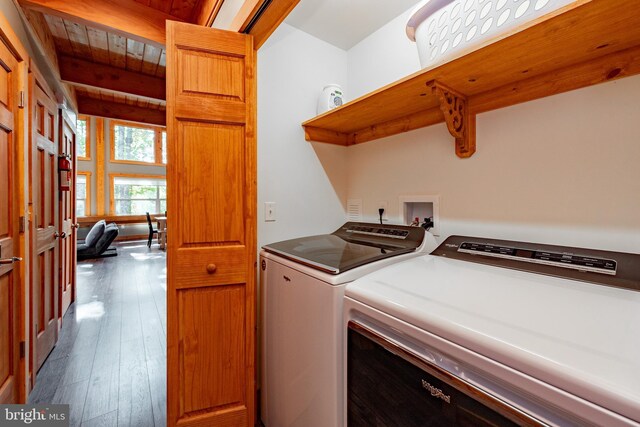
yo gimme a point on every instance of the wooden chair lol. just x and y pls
(152, 230)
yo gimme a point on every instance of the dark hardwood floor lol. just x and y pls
(109, 363)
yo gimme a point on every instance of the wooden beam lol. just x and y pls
(268, 21)
(124, 17)
(79, 72)
(115, 110)
(205, 12)
(100, 195)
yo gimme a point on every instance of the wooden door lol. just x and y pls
(67, 227)
(10, 323)
(211, 230)
(44, 254)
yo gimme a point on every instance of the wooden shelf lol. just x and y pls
(583, 44)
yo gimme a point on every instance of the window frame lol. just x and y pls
(87, 202)
(157, 142)
(112, 181)
(162, 152)
(88, 141)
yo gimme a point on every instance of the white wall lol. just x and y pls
(382, 58)
(562, 170)
(307, 181)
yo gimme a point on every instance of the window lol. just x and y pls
(83, 195)
(136, 195)
(83, 144)
(133, 143)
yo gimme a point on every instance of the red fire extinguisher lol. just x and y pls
(64, 170)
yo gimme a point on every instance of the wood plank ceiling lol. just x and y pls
(110, 66)
(110, 54)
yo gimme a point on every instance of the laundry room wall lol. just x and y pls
(306, 181)
(561, 170)
(382, 58)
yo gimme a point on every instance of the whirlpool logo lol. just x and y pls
(436, 392)
(34, 415)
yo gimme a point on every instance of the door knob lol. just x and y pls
(76, 226)
(211, 268)
(11, 260)
(61, 235)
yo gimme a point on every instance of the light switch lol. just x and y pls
(269, 211)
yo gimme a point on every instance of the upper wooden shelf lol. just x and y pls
(585, 43)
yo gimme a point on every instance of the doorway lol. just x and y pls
(109, 363)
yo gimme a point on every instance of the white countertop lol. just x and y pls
(580, 337)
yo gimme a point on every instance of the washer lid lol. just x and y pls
(580, 337)
(331, 253)
(352, 245)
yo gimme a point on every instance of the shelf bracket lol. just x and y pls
(460, 121)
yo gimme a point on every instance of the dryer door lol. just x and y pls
(388, 386)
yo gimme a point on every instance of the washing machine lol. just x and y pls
(302, 289)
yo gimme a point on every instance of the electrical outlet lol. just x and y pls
(269, 211)
(383, 204)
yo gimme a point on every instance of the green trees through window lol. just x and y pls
(81, 195)
(134, 144)
(138, 143)
(81, 138)
(164, 147)
(135, 196)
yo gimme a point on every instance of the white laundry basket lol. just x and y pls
(443, 28)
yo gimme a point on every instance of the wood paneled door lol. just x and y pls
(10, 323)
(67, 227)
(44, 186)
(211, 180)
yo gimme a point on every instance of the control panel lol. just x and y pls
(387, 236)
(382, 231)
(619, 269)
(556, 259)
